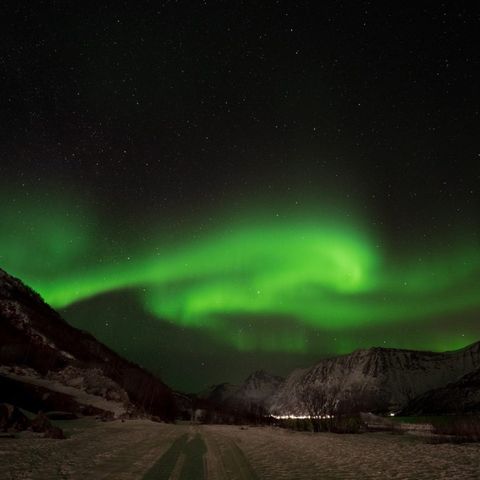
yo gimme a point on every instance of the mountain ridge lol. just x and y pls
(376, 379)
(379, 379)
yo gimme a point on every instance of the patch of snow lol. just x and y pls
(80, 396)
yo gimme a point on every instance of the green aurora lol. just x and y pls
(317, 271)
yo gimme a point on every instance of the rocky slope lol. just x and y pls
(33, 335)
(376, 379)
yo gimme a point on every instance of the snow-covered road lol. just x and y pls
(144, 450)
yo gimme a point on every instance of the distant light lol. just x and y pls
(300, 417)
(391, 414)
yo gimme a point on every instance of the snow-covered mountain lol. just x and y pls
(462, 396)
(375, 379)
(258, 389)
(255, 392)
(218, 394)
(37, 343)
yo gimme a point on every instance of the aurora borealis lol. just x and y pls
(211, 196)
(319, 273)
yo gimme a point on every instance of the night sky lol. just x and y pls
(211, 188)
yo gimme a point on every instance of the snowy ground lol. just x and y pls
(151, 451)
(29, 376)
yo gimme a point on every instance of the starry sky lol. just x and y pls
(211, 188)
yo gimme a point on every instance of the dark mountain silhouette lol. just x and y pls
(462, 396)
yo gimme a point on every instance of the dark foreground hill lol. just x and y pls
(34, 336)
